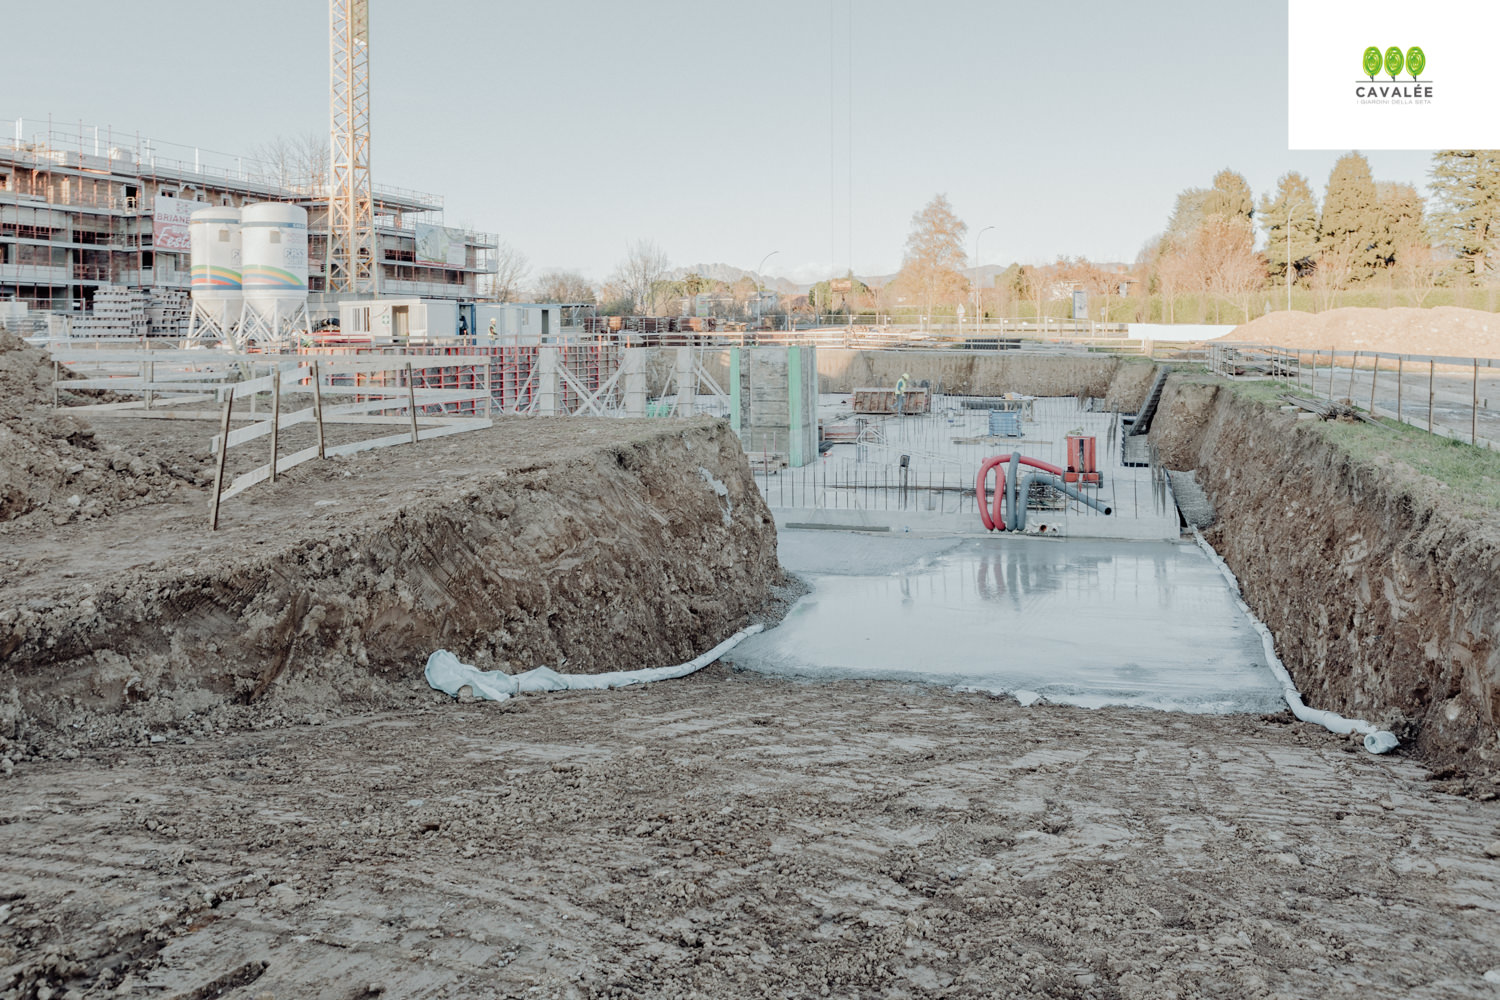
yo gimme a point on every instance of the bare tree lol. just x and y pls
(558, 285)
(1222, 250)
(511, 270)
(1417, 268)
(1336, 266)
(640, 275)
(1039, 283)
(294, 161)
(1174, 275)
(613, 299)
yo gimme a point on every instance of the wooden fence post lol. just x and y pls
(1353, 363)
(1430, 365)
(411, 399)
(275, 415)
(317, 389)
(213, 522)
(1374, 374)
(1474, 413)
(1400, 366)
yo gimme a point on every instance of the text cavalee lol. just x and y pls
(1393, 90)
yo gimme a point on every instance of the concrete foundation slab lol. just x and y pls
(1088, 622)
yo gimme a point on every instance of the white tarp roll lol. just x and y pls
(1376, 740)
(446, 674)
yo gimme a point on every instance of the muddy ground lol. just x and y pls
(732, 835)
(169, 827)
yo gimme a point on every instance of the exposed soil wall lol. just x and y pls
(1381, 601)
(590, 545)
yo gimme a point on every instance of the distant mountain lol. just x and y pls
(729, 274)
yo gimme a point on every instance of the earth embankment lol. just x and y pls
(1378, 587)
(586, 545)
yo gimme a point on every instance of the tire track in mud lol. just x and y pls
(731, 835)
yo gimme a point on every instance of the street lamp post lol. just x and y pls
(758, 269)
(977, 314)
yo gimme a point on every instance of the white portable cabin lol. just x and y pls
(399, 321)
(524, 323)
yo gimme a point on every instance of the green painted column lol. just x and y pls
(734, 389)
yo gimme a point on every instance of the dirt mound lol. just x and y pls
(1446, 330)
(52, 467)
(585, 545)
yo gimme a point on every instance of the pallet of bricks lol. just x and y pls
(117, 312)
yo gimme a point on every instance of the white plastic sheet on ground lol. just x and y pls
(445, 673)
(1376, 740)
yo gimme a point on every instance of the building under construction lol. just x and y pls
(84, 209)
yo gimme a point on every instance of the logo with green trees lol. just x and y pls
(1395, 59)
(1373, 62)
(1416, 61)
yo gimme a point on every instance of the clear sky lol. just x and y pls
(722, 131)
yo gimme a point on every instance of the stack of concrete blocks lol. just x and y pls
(773, 401)
(168, 312)
(118, 312)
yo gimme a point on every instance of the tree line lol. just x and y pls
(1223, 256)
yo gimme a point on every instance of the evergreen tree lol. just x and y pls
(1230, 196)
(1402, 227)
(1294, 200)
(1349, 230)
(1466, 208)
(1188, 214)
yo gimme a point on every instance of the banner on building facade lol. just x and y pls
(440, 245)
(169, 223)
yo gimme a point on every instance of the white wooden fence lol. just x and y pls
(377, 390)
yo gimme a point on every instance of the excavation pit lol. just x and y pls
(731, 834)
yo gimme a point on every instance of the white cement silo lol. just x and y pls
(274, 236)
(214, 236)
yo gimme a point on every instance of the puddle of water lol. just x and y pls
(1085, 622)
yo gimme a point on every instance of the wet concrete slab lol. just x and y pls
(1088, 622)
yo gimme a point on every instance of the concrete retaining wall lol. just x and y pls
(1124, 382)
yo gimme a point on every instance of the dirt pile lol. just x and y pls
(1381, 594)
(586, 545)
(1445, 331)
(53, 468)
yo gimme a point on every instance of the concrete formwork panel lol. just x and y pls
(774, 401)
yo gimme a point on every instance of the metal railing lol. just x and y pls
(1445, 395)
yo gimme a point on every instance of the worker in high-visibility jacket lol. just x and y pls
(901, 384)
